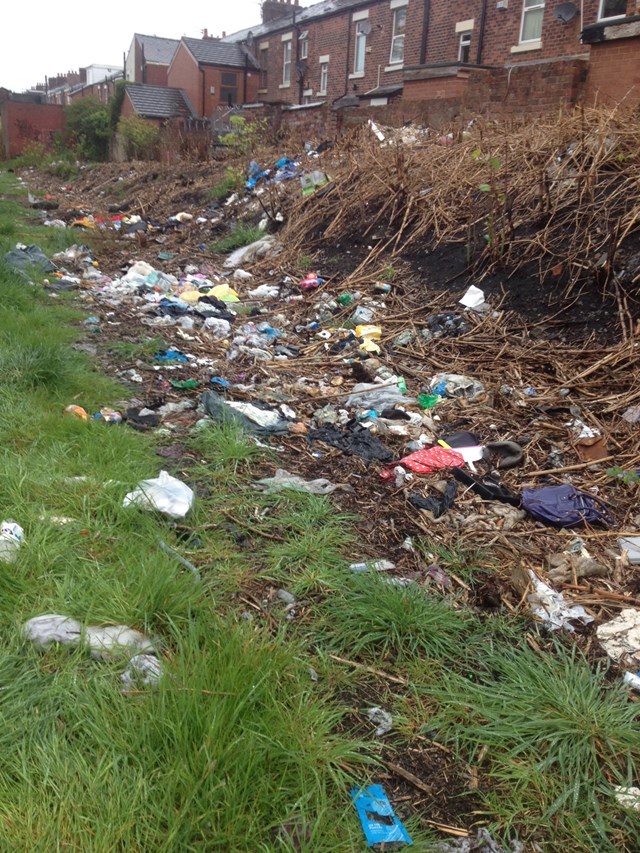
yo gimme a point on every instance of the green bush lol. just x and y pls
(88, 123)
(141, 136)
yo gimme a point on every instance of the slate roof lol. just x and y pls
(217, 52)
(310, 13)
(157, 50)
(159, 101)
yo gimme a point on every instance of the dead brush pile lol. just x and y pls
(560, 194)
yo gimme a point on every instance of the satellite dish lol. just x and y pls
(365, 27)
(301, 67)
(565, 12)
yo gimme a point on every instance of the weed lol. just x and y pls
(305, 262)
(241, 235)
(233, 181)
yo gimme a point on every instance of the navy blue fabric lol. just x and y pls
(564, 506)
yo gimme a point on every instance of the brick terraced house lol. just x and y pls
(352, 51)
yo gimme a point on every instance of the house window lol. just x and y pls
(304, 45)
(324, 78)
(532, 14)
(464, 53)
(229, 88)
(361, 46)
(286, 63)
(397, 39)
(264, 65)
(612, 9)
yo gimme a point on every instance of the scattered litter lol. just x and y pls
(379, 822)
(143, 671)
(245, 415)
(24, 257)
(436, 506)
(628, 797)
(631, 544)
(11, 538)
(372, 566)
(620, 638)
(433, 459)
(382, 719)
(552, 608)
(182, 560)
(377, 395)
(103, 643)
(565, 506)
(474, 300)
(356, 440)
(164, 493)
(284, 480)
(246, 255)
(457, 385)
(481, 843)
(76, 412)
(632, 680)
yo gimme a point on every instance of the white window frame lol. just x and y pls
(401, 10)
(324, 77)
(465, 41)
(536, 7)
(304, 46)
(286, 64)
(602, 17)
(361, 39)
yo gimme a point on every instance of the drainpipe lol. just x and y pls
(425, 31)
(244, 88)
(202, 78)
(483, 23)
(346, 72)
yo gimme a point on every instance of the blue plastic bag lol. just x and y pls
(379, 823)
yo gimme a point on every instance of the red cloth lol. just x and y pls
(431, 460)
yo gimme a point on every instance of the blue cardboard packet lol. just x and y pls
(379, 823)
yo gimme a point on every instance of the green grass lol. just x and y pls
(238, 740)
(240, 235)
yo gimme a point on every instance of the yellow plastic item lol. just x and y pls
(224, 293)
(189, 295)
(369, 334)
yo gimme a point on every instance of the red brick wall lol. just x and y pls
(443, 41)
(502, 32)
(156, 75)
(26, 123)
(334, 36)
(614, 73)
(185, 74)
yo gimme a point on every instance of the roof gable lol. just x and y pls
(158, 51)
(159, 101)
(216, 52)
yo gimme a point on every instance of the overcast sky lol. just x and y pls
(46, 38)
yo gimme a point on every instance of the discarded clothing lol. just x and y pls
(432, 459)
(356, 440)
(436, 506)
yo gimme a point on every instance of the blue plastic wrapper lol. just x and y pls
(379, 823)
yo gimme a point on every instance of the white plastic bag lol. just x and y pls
(164, 493)
(11, 538)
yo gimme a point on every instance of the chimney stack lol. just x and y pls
(274, 9)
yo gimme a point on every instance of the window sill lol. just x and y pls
(284, 86)
(262, 91)
(397, 67)
(357, 75)
(321, 94)
(611, 18)
(527, 45)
